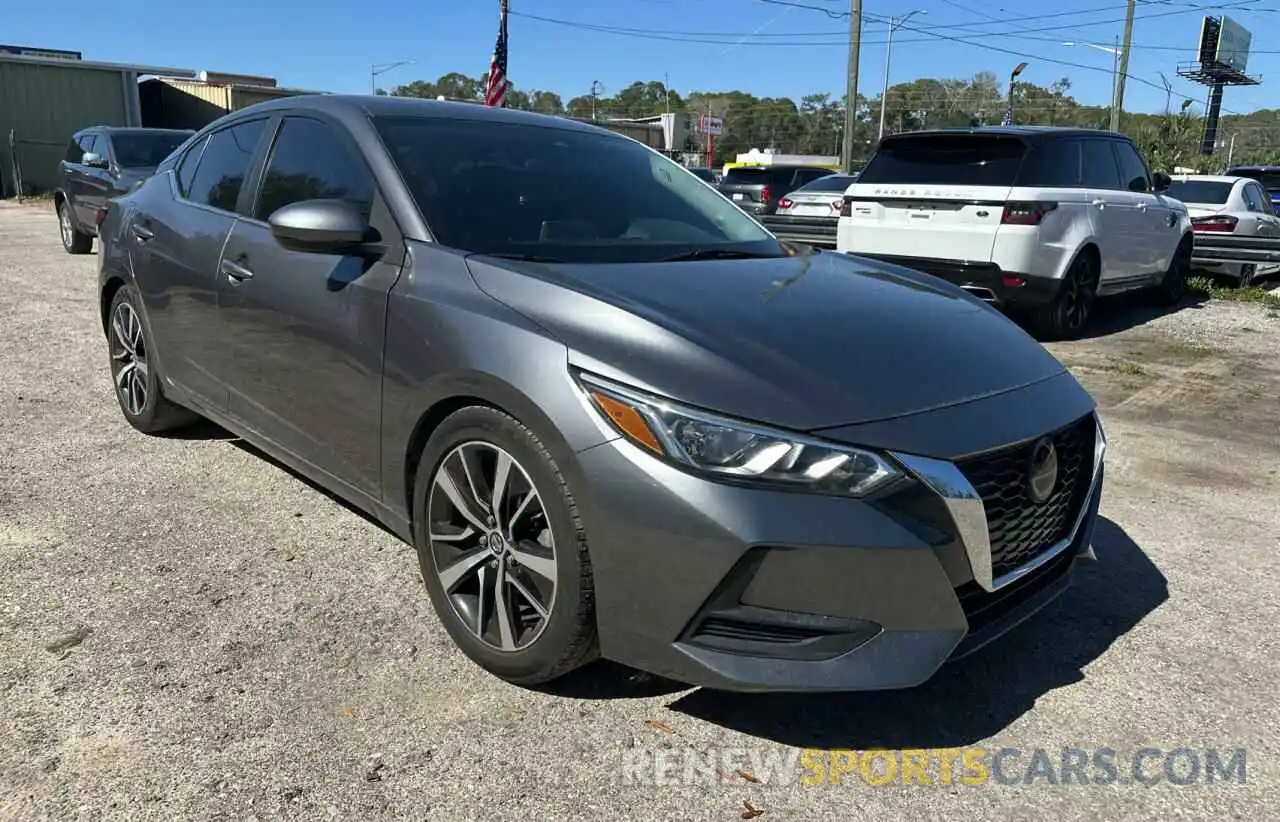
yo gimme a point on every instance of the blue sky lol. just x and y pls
(698, 44)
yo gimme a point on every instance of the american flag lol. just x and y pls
(495, 90)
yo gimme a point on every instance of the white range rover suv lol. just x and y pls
(1034, 219)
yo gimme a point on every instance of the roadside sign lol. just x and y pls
(711, 125)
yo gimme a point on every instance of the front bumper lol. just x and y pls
(984, 280)
(745, 589)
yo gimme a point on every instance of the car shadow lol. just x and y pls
(977, 696)
(1121, 312)
(312, 484)
(201, 430)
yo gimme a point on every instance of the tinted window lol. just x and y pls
(145, 149)
(512, 188)
(310, 162)
(748, 177)
(1260, 197)
(805, 176)
(224, 164)
(1270, 179)
(1098, 165)
(832, 182)
(1199, 191)
(74, 152)
(950, 159)
(88, 143)
(187, 167)
(703, 174)
(1052, 164)
(1133, 172)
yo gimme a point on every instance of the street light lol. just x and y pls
(379, 68)
(1115, 77)
(894, 24)
(1013, 76)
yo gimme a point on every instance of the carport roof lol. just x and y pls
(95, 64)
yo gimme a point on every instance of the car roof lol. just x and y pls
(1255, 168)
(1210, 178)
(363, 105)
(133, 130)
(1025, 132)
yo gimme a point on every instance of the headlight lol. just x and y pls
(736, 450)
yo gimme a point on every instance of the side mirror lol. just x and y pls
(94, 160)
(320, 226)
(1161, 181)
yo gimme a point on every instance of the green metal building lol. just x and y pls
(45, 99)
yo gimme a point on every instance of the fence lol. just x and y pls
(32, 166)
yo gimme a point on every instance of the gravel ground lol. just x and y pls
(189, 631)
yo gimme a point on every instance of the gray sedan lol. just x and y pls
(622, 421)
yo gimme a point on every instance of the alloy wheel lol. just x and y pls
(129, 358)
(64, 226)
(1078, 296)
(492, 546)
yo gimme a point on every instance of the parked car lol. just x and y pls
(1269, 176)
(102, 162)
(810, 213)
(617, 420)
(1039, 220)
(756, 189)
(1226, 205)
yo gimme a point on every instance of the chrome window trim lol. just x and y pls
(969, 515)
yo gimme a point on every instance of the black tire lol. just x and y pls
(73, 239)
(1247, 272)
(1068, 313)
(1173, 286)
(139, 391)
(566, 638)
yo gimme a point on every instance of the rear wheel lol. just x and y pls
(73, 240)
(1173, 286)
(133, 373)
(1247, 272)
(502, 550)
(1067, 314)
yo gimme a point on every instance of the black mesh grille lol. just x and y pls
(1020, 529)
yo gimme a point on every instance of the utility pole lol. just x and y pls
(1124, 66)
(851, 90)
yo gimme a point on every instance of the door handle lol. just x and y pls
(1100, 203)
(1142, 206)
(236, 273)
(141, 232)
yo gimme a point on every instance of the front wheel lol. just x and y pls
(1066, 315)
(502, 550)
(133, 373)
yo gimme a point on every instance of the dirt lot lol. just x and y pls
(187, 630)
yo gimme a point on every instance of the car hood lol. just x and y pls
(802, 342)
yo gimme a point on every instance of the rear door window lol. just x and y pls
(220, 175)
(1052, 164)
(950, 159)
(1098, 165)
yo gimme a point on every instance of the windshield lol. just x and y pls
(560, 193)
(947, 159)
(1200, 191)
(1270, 179)
(145, 150)
(823, 185)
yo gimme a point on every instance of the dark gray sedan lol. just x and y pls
(616, 420)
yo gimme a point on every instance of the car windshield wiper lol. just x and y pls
(526, 258)
(716, 254)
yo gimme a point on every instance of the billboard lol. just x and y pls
(708, 124)
(1233, 45)
(48, 54)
